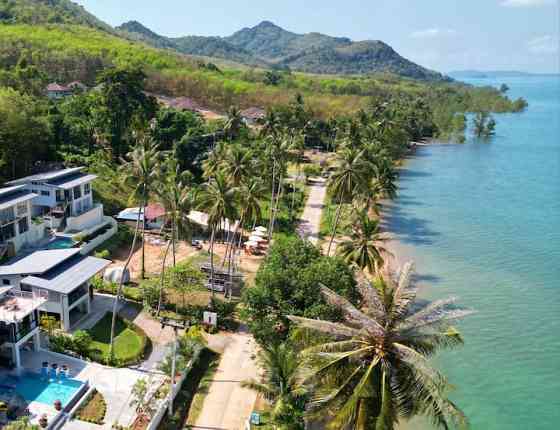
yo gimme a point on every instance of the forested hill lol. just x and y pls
(268, 45)
(48, 12)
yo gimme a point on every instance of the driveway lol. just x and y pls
(227, 405)
(310, 224)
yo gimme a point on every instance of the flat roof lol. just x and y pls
(46, 176)
(69, 183)
(13, 197)
(37, 262)
(69, 275)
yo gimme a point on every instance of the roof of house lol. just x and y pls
(11, 196)
(253, 113)
(154, 211)
(57, 87)
(130, 214)
(46, 176)
(67, 183)
(184, 103)
(69, 275)
(37, 262)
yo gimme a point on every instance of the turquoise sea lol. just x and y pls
(482, 222)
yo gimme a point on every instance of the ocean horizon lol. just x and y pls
(481, 220)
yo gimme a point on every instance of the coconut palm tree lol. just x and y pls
(234, 123)
(140, 172)
(279, 385)
(351, 174)
(238, 164)
(217, 199)
(375, 369)
(385, 177)
(364, 248)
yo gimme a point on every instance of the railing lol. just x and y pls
(24, 330)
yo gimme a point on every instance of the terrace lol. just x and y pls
(16, 305)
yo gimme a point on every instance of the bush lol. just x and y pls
(311, 170)
(81, 342)
(60, 343)
(104, 253)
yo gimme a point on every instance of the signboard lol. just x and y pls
(210, 318)
(256, 418)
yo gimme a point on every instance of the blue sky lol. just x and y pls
(441, 34)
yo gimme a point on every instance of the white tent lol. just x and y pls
(258, 233)
(261, 228)
(256, 239)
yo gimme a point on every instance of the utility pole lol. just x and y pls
(176, 325)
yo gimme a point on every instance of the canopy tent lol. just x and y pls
(261, 228)
(258, 233)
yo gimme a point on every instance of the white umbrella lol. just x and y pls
(256, 239)
(261, 228)
(258, 233)
(251, 244)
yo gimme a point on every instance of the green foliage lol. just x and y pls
(312, 170)
(483, 124)
(93, 408)
(288, 283)
(22, 423)
(81, 342)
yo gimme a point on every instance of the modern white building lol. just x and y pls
(60, 276)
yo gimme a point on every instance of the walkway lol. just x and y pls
(227, 405)
(310, 224)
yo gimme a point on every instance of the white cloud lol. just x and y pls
(527, 3)
(546, 44)
(432, 33)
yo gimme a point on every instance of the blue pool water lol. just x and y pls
(482, 222)
(61, 243)
(35, 389)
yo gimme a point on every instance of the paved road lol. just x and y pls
(310, 224)
(227, 405)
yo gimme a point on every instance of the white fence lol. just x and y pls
(90, 246)
(162, 408)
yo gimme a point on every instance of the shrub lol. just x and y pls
(311, 170)
(104, 253)
(81, 342)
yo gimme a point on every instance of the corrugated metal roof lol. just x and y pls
(46, 176)
(38, 262)
(9, 190)
(69, 275)
(8, 200)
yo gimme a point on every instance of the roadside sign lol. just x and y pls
(210, 318)
(256, 418)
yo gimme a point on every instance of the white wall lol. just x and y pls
(87, 220)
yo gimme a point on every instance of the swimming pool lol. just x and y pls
(33, 388)
(61, 243)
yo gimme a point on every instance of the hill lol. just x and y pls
(268, 45)
(36, 12)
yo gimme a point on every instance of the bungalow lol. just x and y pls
(154, 219)
(56, 91)
(63, 199)
(60, 277)
(253, 115)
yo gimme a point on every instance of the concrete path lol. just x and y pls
(227, 405)
(310, 224)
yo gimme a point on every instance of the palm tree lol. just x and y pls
(238, 164)
(351, 174)
(363, 249)
(234, 123)
(279, 385)
(141, 173)
(385, 177)
(217, 199)
(374, 370)
(278, 150)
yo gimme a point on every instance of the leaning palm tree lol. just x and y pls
(141, 172)
(279, 385)
(364, 248)
(217, 199)
(374, 371)
(351, 174)
(385, 177)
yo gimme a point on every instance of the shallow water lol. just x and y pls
(482, 222)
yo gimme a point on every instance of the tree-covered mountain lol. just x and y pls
(270, 45)
(36, 12)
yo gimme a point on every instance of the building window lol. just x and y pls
(21, 209)
(87, 188)
(6, 282)
(26, 288)
(23, 225)
(45, 193)
(77, 192)
(7, 232)
(35, 183)
(59, 196)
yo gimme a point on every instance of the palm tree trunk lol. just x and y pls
(119, 289)
(272, 196)
(173, 238)
(143, 267)
(212, 261)
(275, 210)
(160, 299)
(336, 221)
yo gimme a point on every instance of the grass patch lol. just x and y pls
(192, 393)
(94, 408)
(130, 341)
(328, 216)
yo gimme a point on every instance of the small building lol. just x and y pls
(253, 115)
(60, 277)
(154, 219)
(56, 91)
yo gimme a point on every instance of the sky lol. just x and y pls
(444, 35)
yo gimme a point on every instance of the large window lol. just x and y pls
(23, 225)
(59, 196)
(45, 193)
(21, 209)
(87, 189)
(77, 294)
(77, 192)
(7, 215)
(7, 232)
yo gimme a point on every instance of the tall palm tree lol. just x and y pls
(375, 369)
(217, 199)
(238, 164)
(140, 171)
(278, 150)
(234, 123)
(279, 385)
(364, 247)
(352, 171)
(385, 177)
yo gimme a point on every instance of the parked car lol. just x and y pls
(197, 244)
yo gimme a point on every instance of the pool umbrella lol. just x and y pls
(261, 228)
(258, 233)
(256, 239)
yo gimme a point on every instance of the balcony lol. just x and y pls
(16, 305)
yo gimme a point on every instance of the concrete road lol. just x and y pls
(227, 405)
(310, 224)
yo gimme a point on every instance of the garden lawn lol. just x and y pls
(129, 344)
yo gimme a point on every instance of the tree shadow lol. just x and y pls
(409, 230)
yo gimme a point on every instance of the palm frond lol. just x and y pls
(327, 327)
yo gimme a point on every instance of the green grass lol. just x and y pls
(129, 343)
(328, 217)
